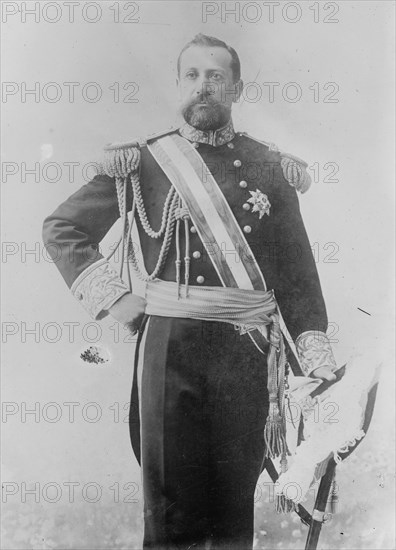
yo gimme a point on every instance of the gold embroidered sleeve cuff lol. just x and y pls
(98, 287)
(314, 351)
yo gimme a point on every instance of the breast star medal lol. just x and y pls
(260, 203)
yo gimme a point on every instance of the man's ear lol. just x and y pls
(238, 90)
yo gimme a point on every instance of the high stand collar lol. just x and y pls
(218, 137)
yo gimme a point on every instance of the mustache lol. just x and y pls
(203, 99)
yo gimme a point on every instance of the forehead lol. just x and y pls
(203, 57)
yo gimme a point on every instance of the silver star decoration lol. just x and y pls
(260, 202)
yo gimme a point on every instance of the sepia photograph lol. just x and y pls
(198, 275)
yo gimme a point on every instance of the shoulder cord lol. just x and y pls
(167, 226)
(173, 213)
(170, 220)
(137, 193)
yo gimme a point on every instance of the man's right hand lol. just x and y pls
(129, 311)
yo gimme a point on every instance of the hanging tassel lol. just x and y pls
(275, 427)
(274, 437)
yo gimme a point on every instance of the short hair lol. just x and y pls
(212, 42)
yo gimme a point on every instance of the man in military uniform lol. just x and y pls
(232, 290)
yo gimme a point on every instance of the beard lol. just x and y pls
(212, 116)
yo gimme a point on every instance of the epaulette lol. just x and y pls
(122, 159)
(294, 168)
(295, 172)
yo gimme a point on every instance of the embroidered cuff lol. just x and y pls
(98, 287)
(314, 350)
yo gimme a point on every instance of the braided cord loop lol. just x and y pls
(171, 205)
(142, 210)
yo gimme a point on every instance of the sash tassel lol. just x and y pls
(275, 427)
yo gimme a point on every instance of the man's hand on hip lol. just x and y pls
(129, 311)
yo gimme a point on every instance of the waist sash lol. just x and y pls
(246, 309)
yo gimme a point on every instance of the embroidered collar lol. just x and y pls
(212, 137)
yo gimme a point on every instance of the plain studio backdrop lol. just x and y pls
(319, 84)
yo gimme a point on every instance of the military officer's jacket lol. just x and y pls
(239, 164)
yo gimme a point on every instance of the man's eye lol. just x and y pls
(190, 75)
(216, 76)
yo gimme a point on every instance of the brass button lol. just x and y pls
(247, 229)
(193, 229)
(237, 163)
(196, 254)
(246, 206)
(230, 145)
(200, 279)
(243, 184)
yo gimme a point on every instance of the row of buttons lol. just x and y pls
(246, 206)
(246, 229)
(196, 254)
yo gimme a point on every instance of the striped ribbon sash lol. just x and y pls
(210, 212)
(233, 261)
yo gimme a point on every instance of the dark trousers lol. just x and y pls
(199, 433)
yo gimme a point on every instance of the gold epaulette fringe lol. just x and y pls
(121, 159)
(294, 168)
(295, 172)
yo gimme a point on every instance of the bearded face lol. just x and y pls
(206, 87)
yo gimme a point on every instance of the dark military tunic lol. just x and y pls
(203, 395)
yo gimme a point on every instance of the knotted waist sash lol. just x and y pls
(247, 310)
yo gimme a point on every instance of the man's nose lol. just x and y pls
(204, 87)
(200, 85)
